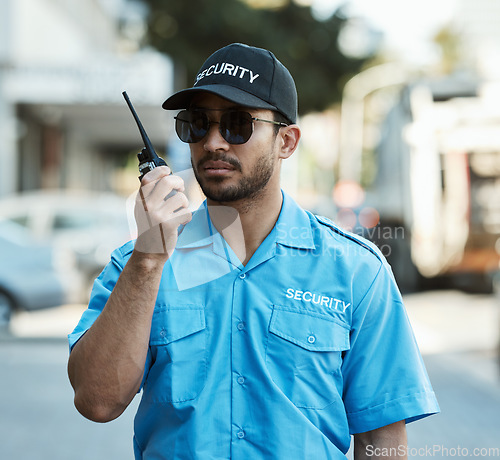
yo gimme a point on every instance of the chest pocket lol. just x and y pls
(178, 343)
(304, 355)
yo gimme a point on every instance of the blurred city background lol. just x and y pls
(399, 104)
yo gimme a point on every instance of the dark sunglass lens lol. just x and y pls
(236, 127)
(191, 126)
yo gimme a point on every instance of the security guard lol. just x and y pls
(254, 329)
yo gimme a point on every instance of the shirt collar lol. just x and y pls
(293, 228)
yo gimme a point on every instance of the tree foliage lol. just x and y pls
(189, 31)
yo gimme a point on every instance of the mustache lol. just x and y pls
(232, 161)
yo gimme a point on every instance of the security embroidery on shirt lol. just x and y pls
(318, 299)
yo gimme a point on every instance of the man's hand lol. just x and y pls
(160, 208)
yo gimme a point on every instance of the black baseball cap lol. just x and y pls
(248, 76)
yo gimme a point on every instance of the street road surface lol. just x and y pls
(37, 418)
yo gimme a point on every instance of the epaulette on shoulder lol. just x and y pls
(127, 248)
(350, 236)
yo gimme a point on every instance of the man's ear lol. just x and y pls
(289, 137)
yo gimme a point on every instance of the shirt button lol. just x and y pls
(240, 434)
(241, 380)
(163, 333)
(311, 339)
(243, 276)
(240, 326)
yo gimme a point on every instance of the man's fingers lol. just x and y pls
(156, 191)
(179, 217)
(155, 174)
(175, 202)
(159, 212)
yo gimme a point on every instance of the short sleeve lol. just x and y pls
(385, 379)
(101, 290)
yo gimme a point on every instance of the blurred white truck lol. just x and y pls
(437, 185)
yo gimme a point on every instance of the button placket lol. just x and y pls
(239, 357)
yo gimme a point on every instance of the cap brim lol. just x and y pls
(182, 99)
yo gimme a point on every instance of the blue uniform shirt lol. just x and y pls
(282, 358)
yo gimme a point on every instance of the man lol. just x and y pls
(254, 329)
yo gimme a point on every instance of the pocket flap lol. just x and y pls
(311, 331)
(174, 323)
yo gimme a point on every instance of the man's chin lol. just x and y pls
(221, 194)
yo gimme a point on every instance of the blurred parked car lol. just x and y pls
(90, 224)
(32, 276)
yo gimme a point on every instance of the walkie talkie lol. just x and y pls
(148, 158)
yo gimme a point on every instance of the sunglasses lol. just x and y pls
(235, 126)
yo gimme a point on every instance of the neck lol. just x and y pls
(245, 224)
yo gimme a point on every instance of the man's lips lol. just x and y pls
(218, 168)
(218, 165)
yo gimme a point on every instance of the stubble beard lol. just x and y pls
(248, 188)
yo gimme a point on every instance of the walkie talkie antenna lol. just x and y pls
(145, 138)
(148, 158)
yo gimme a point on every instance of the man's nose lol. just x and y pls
(214, 141)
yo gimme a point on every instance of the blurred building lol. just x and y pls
(478, 23)
(63, 67)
